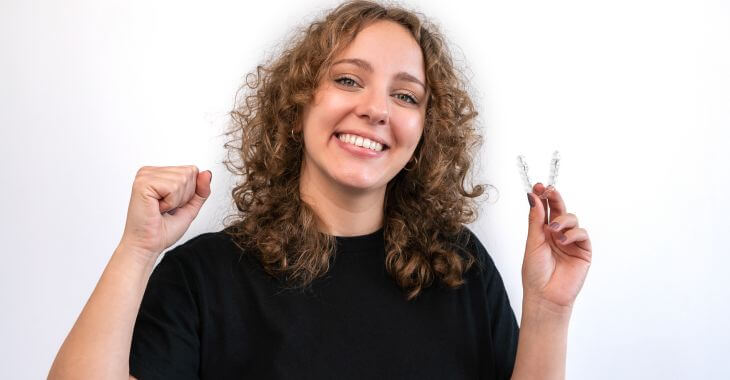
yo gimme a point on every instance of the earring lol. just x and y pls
(291, 133)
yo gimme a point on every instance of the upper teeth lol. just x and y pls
(361, 141)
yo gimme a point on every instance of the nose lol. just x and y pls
(374, 108)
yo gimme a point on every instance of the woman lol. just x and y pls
(349, 257)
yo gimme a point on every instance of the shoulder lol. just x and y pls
(208, 240)
(204, 248)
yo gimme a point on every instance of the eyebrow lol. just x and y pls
(365, 65)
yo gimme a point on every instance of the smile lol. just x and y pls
(358, 151)
(360, 142)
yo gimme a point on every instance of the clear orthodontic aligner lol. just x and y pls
(554, 166)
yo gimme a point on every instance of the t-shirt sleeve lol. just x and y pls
(165, 341)
(504, 327)
(505, 331)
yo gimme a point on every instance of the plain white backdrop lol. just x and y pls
(634, 93)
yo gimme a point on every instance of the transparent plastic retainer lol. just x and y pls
(554, 166)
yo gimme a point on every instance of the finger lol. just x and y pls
(185, 176)
(579, 236)
(191, 183)
(170, 172)
(555, 200)
(564, 221)
(171, 194)
(202, 192)
(165, 192)
(180, 186)
(535, 235)
(539, 189)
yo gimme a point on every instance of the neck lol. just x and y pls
(341, 210)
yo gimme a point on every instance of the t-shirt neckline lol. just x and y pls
(371, 241)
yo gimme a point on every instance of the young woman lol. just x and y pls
(348, 257)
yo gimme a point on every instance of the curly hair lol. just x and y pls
(426, 203)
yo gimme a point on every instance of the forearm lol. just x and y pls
(98, 345)
(542, 345)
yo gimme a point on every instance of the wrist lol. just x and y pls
(536, 307)
(542, 346)
(135, 256)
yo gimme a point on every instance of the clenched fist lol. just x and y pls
(164, 202)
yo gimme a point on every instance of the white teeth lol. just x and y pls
(361, 142)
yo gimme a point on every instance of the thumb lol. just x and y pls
(536, 219)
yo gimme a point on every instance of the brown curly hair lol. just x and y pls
(426, 203)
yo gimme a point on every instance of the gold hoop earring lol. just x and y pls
(291, 133)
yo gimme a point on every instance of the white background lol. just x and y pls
(635, 95)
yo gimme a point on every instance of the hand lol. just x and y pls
(553, 271)
(164, 202)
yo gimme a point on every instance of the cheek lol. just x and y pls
(327, 112)
(409, 130)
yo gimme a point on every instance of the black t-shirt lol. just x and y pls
(211, 312)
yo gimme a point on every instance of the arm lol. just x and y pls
(541, 349)
(163, 204)
(557, 258)
(99, 343)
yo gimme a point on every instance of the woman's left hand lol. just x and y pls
(556, 260)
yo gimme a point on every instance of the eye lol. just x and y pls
(346, 81)
(408, 98)
(350, 82)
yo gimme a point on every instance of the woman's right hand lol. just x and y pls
(164, 202)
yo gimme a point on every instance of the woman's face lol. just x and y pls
(374, 93)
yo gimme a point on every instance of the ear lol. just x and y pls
(297, 125)
(302, 112)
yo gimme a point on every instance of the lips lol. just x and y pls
(364, 135)
(359, 141)
(356, 150)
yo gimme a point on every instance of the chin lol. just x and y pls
(359, 182)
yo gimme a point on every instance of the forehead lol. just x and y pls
(388, 47)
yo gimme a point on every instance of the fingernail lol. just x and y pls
(554, 225)
(529, 199)
(562, 237)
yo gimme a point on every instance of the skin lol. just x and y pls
(554, 269)
(347, 192)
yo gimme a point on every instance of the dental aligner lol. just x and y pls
(522, 164)
(554, 166)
